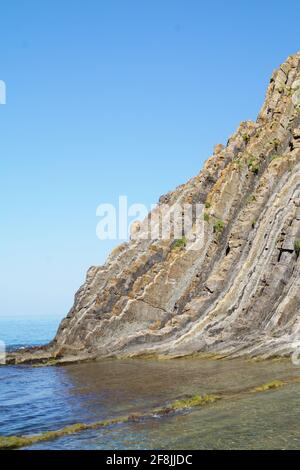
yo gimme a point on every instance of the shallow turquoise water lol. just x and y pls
(40, 399)
(268, 422)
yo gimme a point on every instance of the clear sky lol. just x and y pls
(109, 98)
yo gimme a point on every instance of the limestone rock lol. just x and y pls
(239, 293)
(218, 149)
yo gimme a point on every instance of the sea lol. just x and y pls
(34, 400)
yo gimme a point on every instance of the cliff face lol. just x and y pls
(239, 293)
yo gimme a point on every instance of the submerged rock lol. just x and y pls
(239, 293)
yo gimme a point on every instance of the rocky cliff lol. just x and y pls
(239, 293)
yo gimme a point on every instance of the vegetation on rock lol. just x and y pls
(196, 400)
(253, 165)
(269, 386)
(180, 243)
(219, 226)
(297, 247)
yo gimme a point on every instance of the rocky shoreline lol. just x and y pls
(236, 296)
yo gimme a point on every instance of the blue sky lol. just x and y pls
(114, 97)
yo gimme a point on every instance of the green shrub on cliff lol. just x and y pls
(246, 138)
(180, 243)
(219, 226)
(253, 165)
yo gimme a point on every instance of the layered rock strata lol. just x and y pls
(238, 294)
